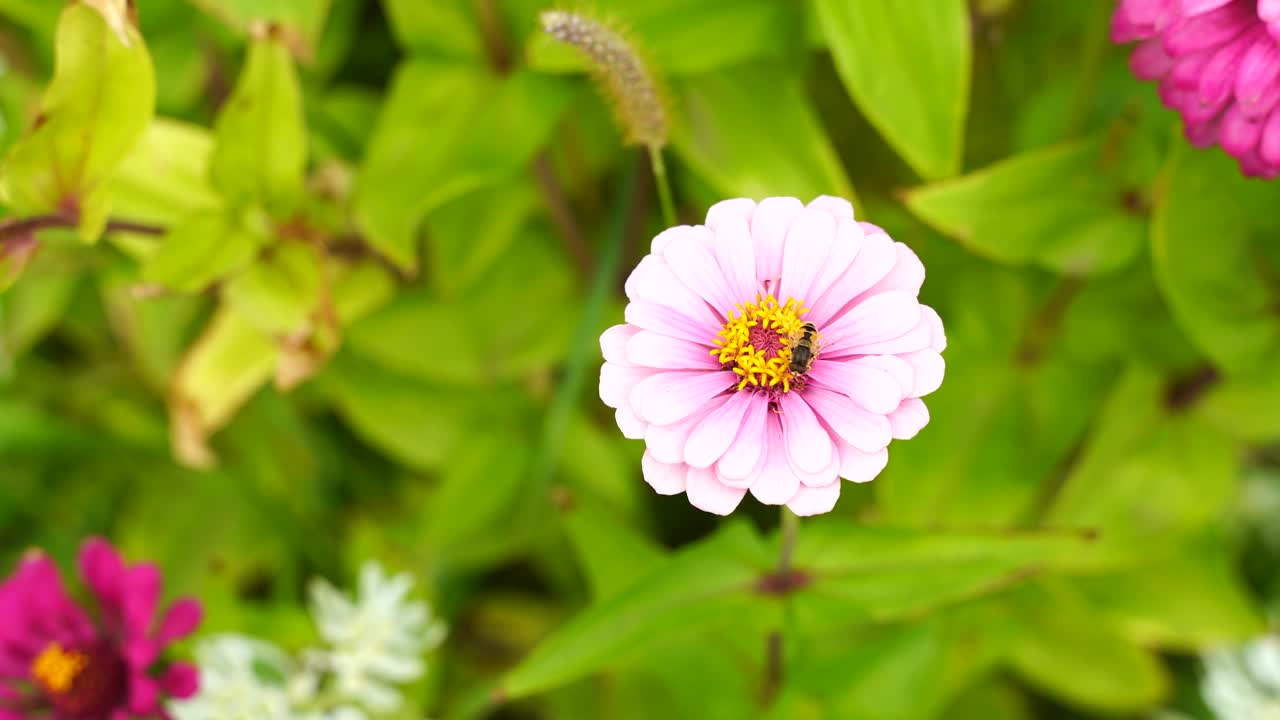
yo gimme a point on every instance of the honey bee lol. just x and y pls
(804, 349)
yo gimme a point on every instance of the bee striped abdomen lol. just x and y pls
(804, 349)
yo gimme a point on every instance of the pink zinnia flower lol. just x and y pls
(1218, 64)
(708, 372)
(59, 661)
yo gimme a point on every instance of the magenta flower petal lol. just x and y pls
(183, 618)
(773, 350)
(1217, 63)
(56, 662)
(181, 680)
(1269, 146)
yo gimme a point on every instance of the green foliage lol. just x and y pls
(907, 66)
(260, 151)
(97, 105)
(1045, 207)
(352, 277)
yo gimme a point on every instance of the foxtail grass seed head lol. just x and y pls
(627, 80)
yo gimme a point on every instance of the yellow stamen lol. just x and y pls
(56, 669)
(766, 366)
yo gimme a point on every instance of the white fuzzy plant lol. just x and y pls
(371, 644)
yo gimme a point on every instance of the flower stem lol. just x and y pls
(790, 526)
(664, 186)
(773, 647)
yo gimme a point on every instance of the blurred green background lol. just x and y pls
(370, 332)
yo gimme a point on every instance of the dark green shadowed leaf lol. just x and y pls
(613, 555)
(907, 66)
(1208, 227)
(441, 28)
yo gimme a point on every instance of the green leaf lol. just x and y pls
(880, 574)
(907, 66)
(724, 137)
(682, 38)
(225, 366)
(602, 464)
(280, 293)
(1188, 597)
(300, 21)
(613, 554)
(1220, 296)
(35, 306)
(1245, 406)
(100, 101)
(361, 288)
(530, 288)
(1145, 472)
(443, 28)
(480, 490)
(878, 677)
(704, 586)
(1065, 647)
(261, 137)
(418, 424)
(165, 177)
(217, 556)
(1054, 207)
(200, 249)
(990, 701)
(467, 236)
(484, 130)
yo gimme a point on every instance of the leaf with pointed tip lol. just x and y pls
(721, 133)
(1219, 294)
(1054, 207)
(201, 249)
(907, 66)
(260, 151)
(98, 105)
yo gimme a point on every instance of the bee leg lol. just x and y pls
(774, 406)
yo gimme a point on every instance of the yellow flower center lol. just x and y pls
(756, 341)
(56, 669)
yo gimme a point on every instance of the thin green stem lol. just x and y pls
(664, 185)
(787, 545)
(774, 650)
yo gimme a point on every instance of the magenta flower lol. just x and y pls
(1218, 64)
(775, 349)
(59, 661)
